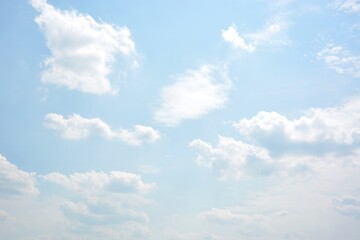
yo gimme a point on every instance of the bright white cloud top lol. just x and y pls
(236, 126)
(82, 49)
(77, 127)
(194, 94)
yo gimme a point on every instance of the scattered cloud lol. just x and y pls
(100, 213)
(226, 216)
(90, 182)
(234, 159)
(77, 127)
(194, 94)
(232, 36)
(82, 49)
(352, 6)
(272, 34)
(348, 205)
(14, 181)
(339, 125)
(340, 60)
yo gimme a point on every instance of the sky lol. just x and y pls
(180, 120)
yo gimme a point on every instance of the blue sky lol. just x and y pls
(180, 120)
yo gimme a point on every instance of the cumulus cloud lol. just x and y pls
(77, 127)
(352, 6)
(234, 159)
(340, 60)
(194, 94)
(82, 49)
(348, 205)
(90, 182)
(14, 181)
(338, 125)
(272, 34)
(232, 36)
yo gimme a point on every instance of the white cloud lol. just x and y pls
(233, 36)
(82, 49)
(339, 59)
(218, 215)
(14, 181)
(348, 205)
(174, 235)
(193, 95)
(339, 125)
(349, 6)
(235, 159)
(272, 34)
(89, 182)
(77, 127)
(101, 214)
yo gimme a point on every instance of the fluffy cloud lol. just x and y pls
(14, 181)
(272, 34)
(340, 60)
(348, 205)
(339, 125)
(77, 127)
(82, 49)
(232, 36)
(235, 159)
(349, 5)
(193, 95)
(90, 182)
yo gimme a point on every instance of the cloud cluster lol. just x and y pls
(77, 127)
(340, 125)
(82, 49)
(90, 182)
(233, 159)
(340, 60)
(194, 94)
(14, 181)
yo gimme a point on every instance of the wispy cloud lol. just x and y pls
(348, 205)
(77, 127)
(194, 94)
(339, 59)
(271, 34)
(82, 49)
(352, 6)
